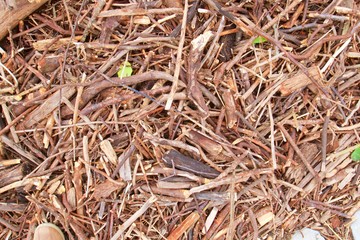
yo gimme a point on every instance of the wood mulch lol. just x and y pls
(216, 134)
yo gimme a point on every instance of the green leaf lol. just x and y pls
(125, 70)
(355, 156)
(259, 39)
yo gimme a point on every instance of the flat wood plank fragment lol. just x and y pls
(264, 216)
(300, 80)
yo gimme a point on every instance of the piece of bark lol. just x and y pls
(212, 147)
(108, 27)
(11, 12)
(171, 171)
(194, 62)
(12, 207)
(11, 175)
(300, 80)
(230, 108)
(48, 64)
(48, 106)
(177, 160)
(104, 189)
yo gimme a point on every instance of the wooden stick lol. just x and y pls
(15, 11)
(188, 223)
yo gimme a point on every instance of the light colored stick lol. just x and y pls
(178, 58)
(132, 219)
(333, 57)
(272, 137)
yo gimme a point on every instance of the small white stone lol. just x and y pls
(307, 234)
(355, 226)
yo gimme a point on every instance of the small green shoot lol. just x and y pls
(125, 70)
(259, 39)
(355, 156)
